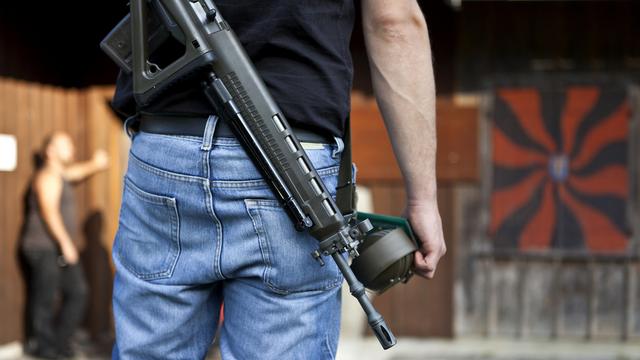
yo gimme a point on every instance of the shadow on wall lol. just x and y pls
(95, 259)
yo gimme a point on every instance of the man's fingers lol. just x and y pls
(419, 261)
(424, 265)
(429, 274)
(432, 259)
(427, 226)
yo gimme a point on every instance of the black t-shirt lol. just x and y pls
(301, 50)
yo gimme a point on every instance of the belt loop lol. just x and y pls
(354, 172)
(339, 147)
(209, 130)
(129, 123)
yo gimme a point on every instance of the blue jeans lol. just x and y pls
(199, 227)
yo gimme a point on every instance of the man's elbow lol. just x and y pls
(395, 25)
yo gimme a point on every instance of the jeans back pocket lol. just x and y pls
(147, 242)
(286, 252)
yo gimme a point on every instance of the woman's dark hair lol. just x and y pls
(40, 156)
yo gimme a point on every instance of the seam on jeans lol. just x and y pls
(327, 345)
(218, 243)
(262, 243)
(268, 203)
(164, 173)
(206, 168)
(171, 205)
(257, 183)
(146, 196)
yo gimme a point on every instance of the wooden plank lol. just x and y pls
(42, 129)
(420, 307)
(115, 177)
(491, 290)
(436, 319)
(103, 131)
(398, 200)
(557, 302)
(575, 298)
(457, 142)
(23, 175)
(628, 310)
(457, 129)
(57, 109)
(5, 331)
(506, 289)
(381, 197)
(91, 225)
(11, 199)
(371, 146)
(72, 116)
(116, 172)
(78, 123)
(523, 299)
(34, 118)
(611, 295)
(45, 115)
(381, 194)
(592, 321)
(98, 135)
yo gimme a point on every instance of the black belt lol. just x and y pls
(195, 125)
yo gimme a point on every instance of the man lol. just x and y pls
(49, 249)
(198, 224)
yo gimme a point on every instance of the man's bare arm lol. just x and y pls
(81, 170)
(48, 187)
(399, 53)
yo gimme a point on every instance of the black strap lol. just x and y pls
(346, 189)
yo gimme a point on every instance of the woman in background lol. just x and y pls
(48, 247)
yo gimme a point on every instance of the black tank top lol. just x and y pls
(301, 50)
(35, 235)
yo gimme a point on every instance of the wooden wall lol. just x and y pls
(554, 293)
(419, 308)
(103, 195)
(30, 111)
(457, 129)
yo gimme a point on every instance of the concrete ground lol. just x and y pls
(419, 349)
(483, 349)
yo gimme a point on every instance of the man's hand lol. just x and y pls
(427, 226)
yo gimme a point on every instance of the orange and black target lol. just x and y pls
(560, 168)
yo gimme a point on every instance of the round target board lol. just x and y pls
(559, 161)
